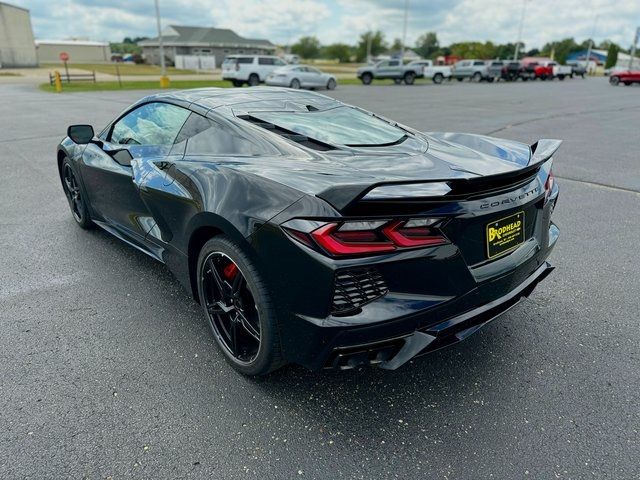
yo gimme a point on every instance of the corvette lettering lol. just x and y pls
(514, 199)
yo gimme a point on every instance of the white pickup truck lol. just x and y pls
(437, 73)
(561, 71)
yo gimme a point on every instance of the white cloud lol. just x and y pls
(284, 21)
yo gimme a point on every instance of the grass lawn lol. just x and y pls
(177, 84)
(10, 74)
(125, 68)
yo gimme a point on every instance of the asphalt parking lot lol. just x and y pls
(107, 368)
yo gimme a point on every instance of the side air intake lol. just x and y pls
(354, 288)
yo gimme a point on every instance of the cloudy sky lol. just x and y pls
(283, 21)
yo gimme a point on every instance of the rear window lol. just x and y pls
(478, 63)
(337, 126)
(265, 61)
(244, 60)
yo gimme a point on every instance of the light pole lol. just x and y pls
(593, 32)
(517, 51)
(404, 30)
(633, 48)
(164, 80)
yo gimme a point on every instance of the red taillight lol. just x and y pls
(407, 236)
(367, 237)
(336, 243)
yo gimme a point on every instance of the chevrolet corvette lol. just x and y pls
(314, 232)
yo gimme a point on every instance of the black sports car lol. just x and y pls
(314, 232)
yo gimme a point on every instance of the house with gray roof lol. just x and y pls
(202, 41)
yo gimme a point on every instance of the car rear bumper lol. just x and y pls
(396, 352)
(391, 344)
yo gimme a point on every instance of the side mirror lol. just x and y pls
(80, 134)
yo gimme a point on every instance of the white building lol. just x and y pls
(79, 51)
(16, 38)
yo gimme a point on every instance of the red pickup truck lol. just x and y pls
(627, 77)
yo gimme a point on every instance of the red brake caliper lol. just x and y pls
(230, 271)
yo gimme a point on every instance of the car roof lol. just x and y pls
(254, 97)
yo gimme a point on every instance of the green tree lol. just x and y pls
(307, 47)
(338, 51)
(563, 48)
(612, 56)
(378, 45)
(396, 46)
(427, 45)
(473, 50)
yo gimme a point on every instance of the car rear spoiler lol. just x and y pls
(342, 196)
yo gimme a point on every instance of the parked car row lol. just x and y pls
(271, 70)
(474, 70)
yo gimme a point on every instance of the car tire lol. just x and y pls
(438, 78)
(237, 338)
(295, 83)
(560, 77)
(397, 81)
(331, 84)
(237, 83)
(254, 80)
(459, 78)
(477, 77)
(366, 78)
(627, 83)
(75, 195)
(409, 78)
(614, 81)
(490, 79)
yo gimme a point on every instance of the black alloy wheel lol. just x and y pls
(238, 307)
(231, 308)
(74, 196)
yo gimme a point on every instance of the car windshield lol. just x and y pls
(337, 126)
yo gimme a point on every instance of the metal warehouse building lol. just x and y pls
(79, 51)
(214, 43)
(16, 38)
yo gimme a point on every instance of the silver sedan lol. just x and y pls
(301, 76)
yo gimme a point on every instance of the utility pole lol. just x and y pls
(524, 9)
(593, 32)
(369, 40)
(633, 48)
(404, 31)
(164, 80)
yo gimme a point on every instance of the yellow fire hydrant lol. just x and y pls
(57, 81)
